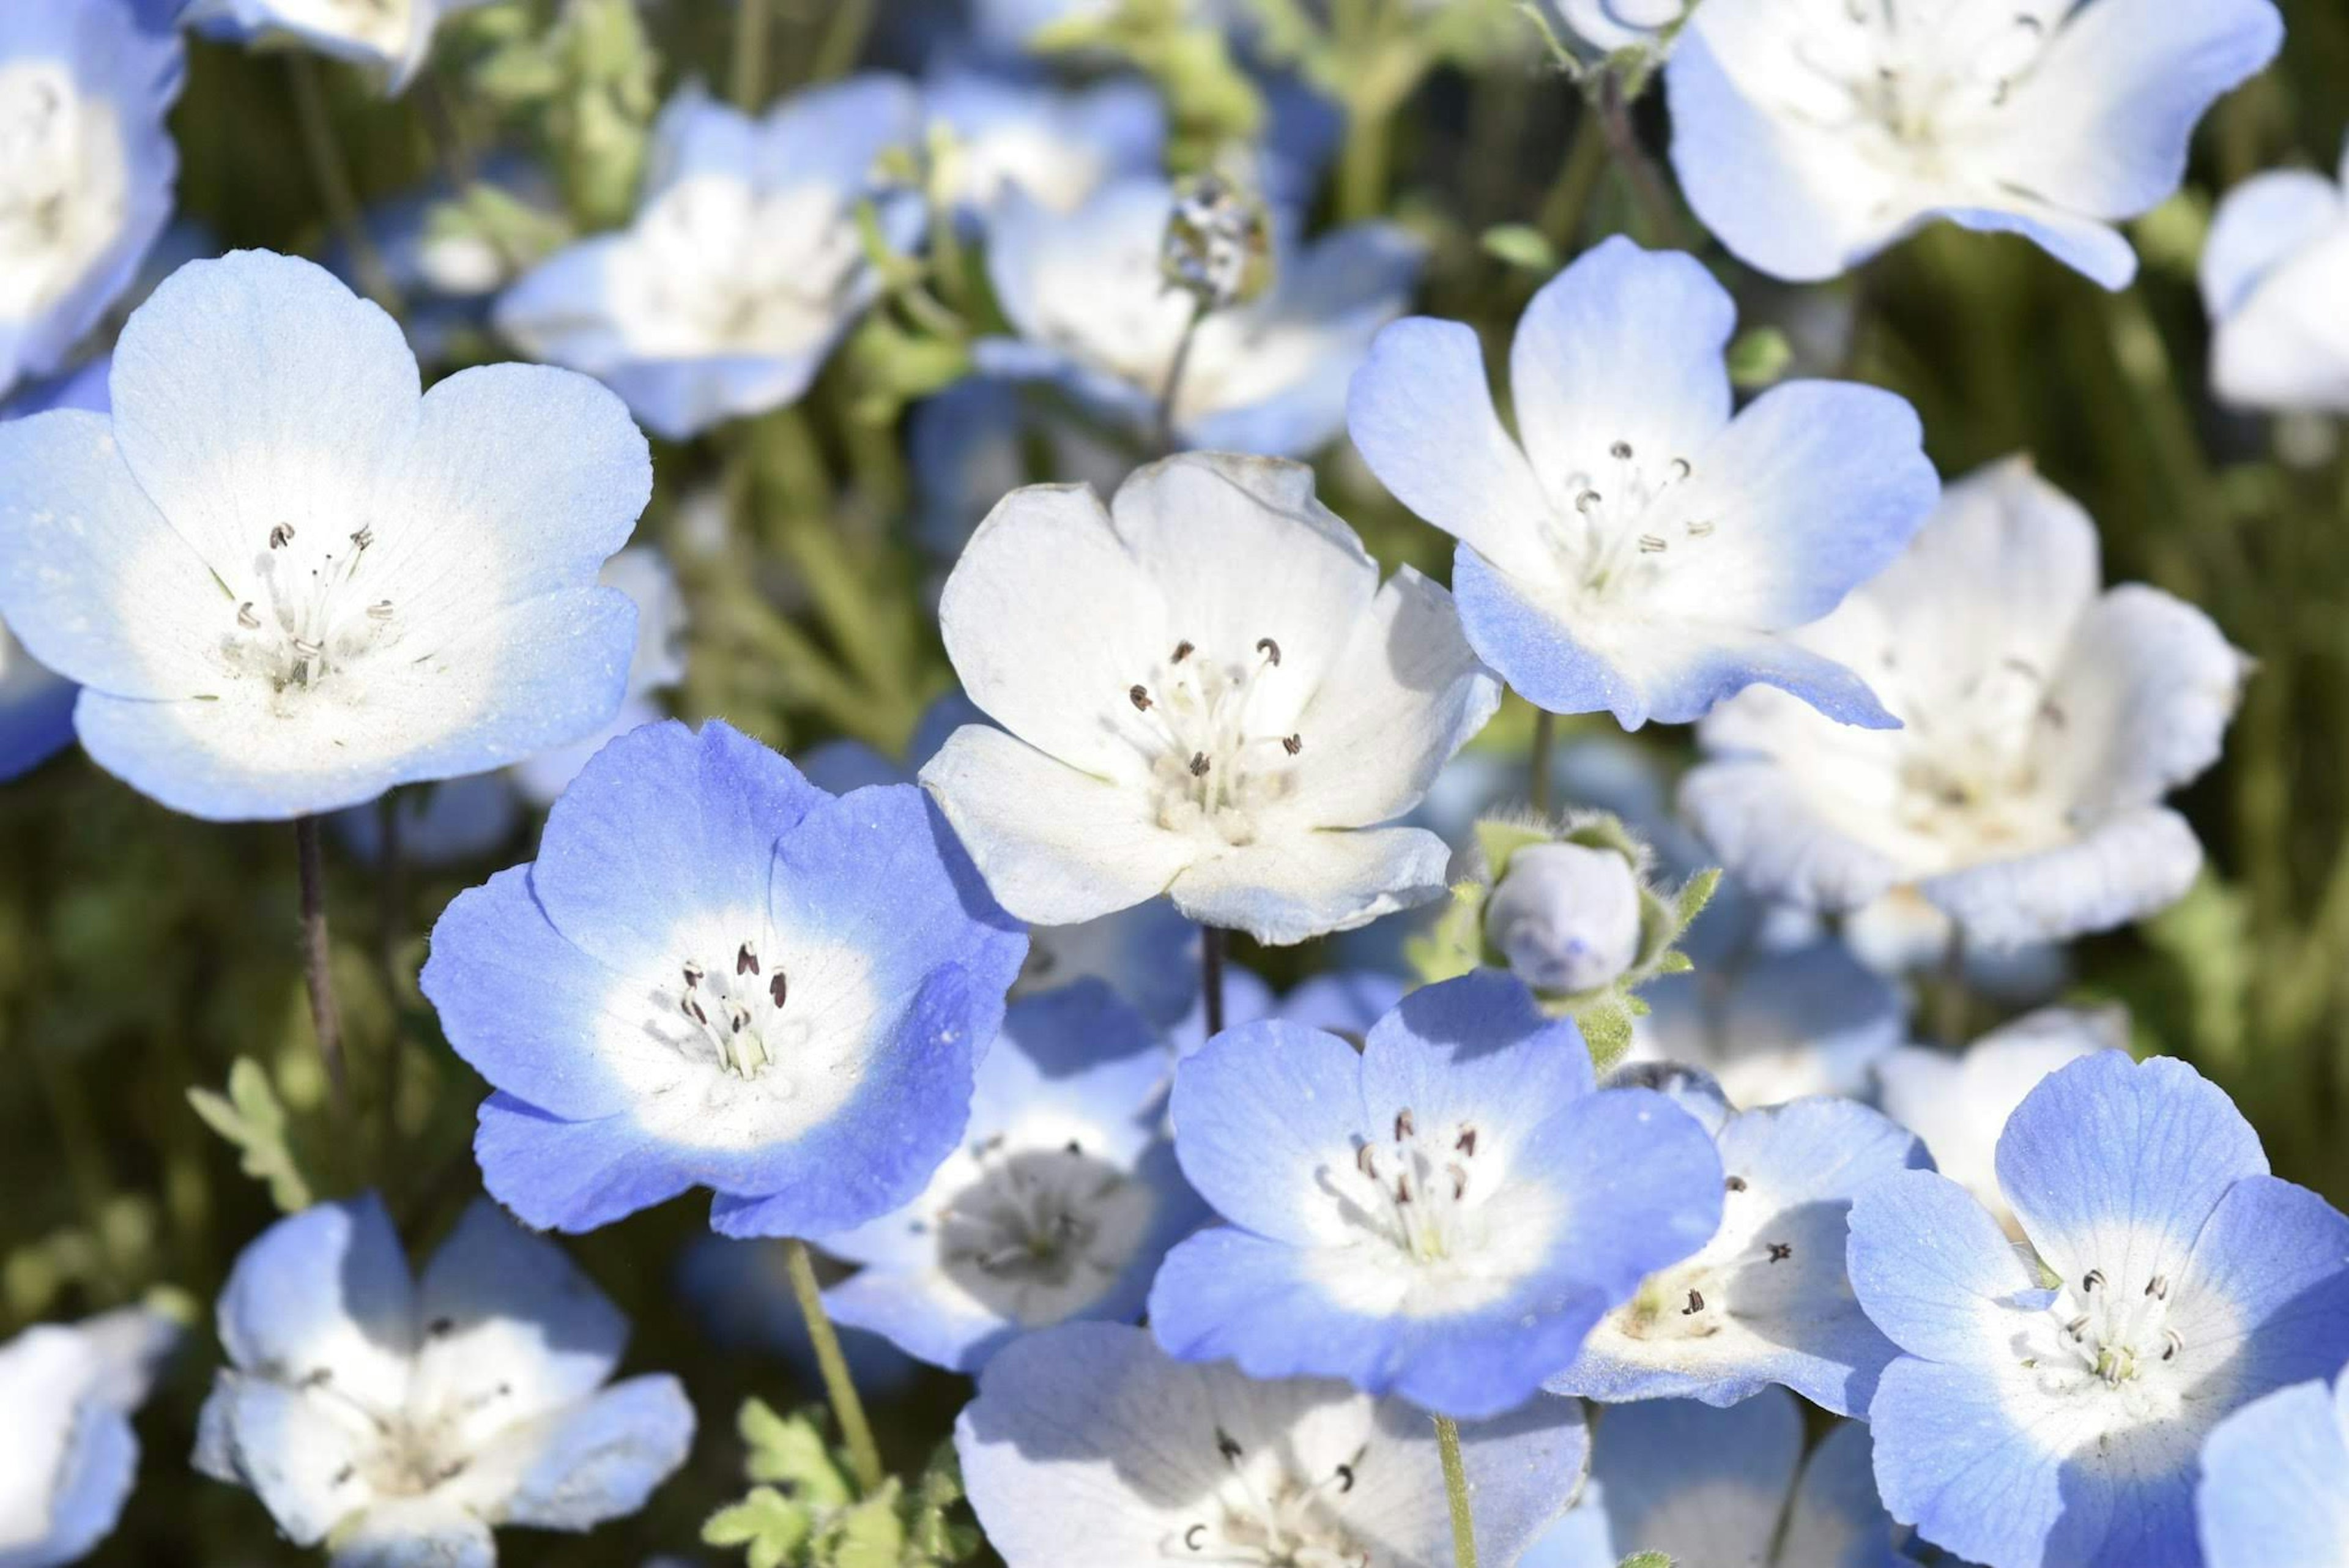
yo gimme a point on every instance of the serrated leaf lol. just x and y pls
(250, 1117)
(871, 1534)
(771, 1527)
(791, 1450)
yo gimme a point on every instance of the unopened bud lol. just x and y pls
(1218, 246)
(1567, 917)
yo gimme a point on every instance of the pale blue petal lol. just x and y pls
(2275, 1483)
(1933, 1271)
(606, 1456)
(1258, 1111)
(2260, 224)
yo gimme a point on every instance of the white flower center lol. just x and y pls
(1421, 1186)
(1623, 523)
(714, 266)
(1266, 1516)
(312, 616)
(1212, 770)
(408, 1452)
(1697, 1299)
(1969, 767)
(2108, 1337)
(1036, 1233)
(736, 1011)
(1906, 78)
(63, 184)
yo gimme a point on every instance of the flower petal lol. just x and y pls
(2275, 1483)
(512, 1329)
(1933, 1271)
(2145, 697)
(1296, 886)
(1261, 1112)
(327, 1288)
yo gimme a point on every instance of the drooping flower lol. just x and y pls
(716, 975)
(390, 37)
(1767, 1300)
(1811, 134)
(1059, 1203)
(1088, 295)
(2046, 1411)
(1206, 693)
(2275, 1481)
(1723, 1489)
(398, 1420)
(1087, 1445)
(287, 580)
(1633, 548)
(1959, 1104)
(1005, 134)
(2046, 721)
(1444, 1215)
(2275, 265)
(69, 1456)
(87, 168)
(744, 265)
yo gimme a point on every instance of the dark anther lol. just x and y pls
(1364, 1162)
(2052, 713)
(1345, 1478)
(1620, 452)
(1198, 764)
(1681, 469)
(1781, 1250)
(2095, 1277)
(1459, 1181)
(1073, 1147)
(364, 537)
(1404, 1125)
(247, 619)
(1139, 695)
(1695, 1305)
(2171, 1345)
(1192, 1536)
(1587, 500)
(693, 1010)
(343, 1476)
(281, 536)
(1466, 1143)
(1271, 649)
(692, 974)
(779, 988)
(1402, 1191)
(1228, 1446)
(2157, 1287)
(2077, 1325)
(1181, 650)
(1735, 1184)
(746, 960)
(318, 1378)
(1292, 745)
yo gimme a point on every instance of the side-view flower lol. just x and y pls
(70, 1453)
(2272, 272)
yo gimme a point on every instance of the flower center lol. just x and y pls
(311, 617)
(1697, 1299)
(1420, 1186)
(1266, 1516)
(1968, 770)
(1619, 532)
(736, 1011)
(2109, 1333)
(1211, 768)
(1039, 1225)
(61, 176)
(717, 267)
(1906, 77)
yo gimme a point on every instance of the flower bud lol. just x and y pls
(1218, 244)
(1567, 917)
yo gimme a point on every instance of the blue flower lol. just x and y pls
(1634, 548)
(69, 1391)
(287, 581)
(36, 703)
(2277, 257)
(398, 1420)
(715, 974)
(1086, 1447)
(2275, 1481)
(744, 265)
(86, 184)
(393, 40)
(1085, 292)
(1059, 1204)
(1713, 1488)
(2046, 1411)
(1444, 1215)
(1809, 138)
(1767, 1300)
(1007, 134)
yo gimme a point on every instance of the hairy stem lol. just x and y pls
(1455, 1491)
(864, 1455)
(316, 971)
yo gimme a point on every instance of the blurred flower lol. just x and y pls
(1344, 1002)
(400, 1420)
(1773, 1021)
(1809, 137)
(2275, 1480)
(715, 974)
(2273, 273)
(1208, 694)
(971, 446)
(448, 250)
(1087, 1445)
(392, 36)
(1096, 314)
(36, 703)
(287, 581)
(1635, 549)
(87, 168)
(1713, 1488)
(1003, 133)
(2046, 1410)
(1444, 1215)
(1609, 25)
(1059, 1203)
(744, 265)
(69, 1454)
(2044, 723)
(1767, 1300)
(1959, 1104)
(1218, 247)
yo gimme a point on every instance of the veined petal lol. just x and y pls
(1294, 886)
(1933, 1271)
(1263, 1111)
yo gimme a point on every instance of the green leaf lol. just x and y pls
(1522, 245)
(1694, 895)
(1759, 358)
(1646, 1560)
(771, 1526)
(791, 1451)
(1606, 1026)
(250, 1117)
(870, 1535)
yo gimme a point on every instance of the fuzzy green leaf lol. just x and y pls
(250, 1118)
(771, 1527)
(790, 1451)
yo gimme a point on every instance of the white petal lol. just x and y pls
(1292, 886)
(2261, 224)
(2124, 868)
(2288, 346)
(2145, 696)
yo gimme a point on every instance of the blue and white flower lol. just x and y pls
(1444, 1215)
(287, 580)
(1771, 1021)
(400, 1420)
(1611, 26)
(744, 265)
(1959, 1104)
(1088, 295)
(36, 703)
(1810, 135)
(393, 38)
(2275, 1481)
(67, 1454)
(1633, 548)
(1059, 1203)
(1204, 691)
(1766, 1300)
(87, 168)
(1723, 1489)
(716, 975)
(1087, 1445)
(2047, 1409)
(1005, 134)
(2045, 721)
(2276, 261)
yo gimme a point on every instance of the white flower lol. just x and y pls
(67, 1455)
(2044, 722)
(1959, 1104)
(1206, 693)
(2274, 274)
(1567, 916)
(393, 37)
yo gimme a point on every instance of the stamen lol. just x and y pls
(1139, 695)
(2157, 1287)
(1699, 530)
(380, 611)
(2095, 1277)
(247, 619)
(1695, 1304)
(2171, 1343)
(1620, 452)
(1365, 1162)
(1271, 649)
(1292, 745)
(1586, 501)
(778, 988)
(1735, 1184)
(1467, 1142)
(1680, 469)
(364, 537)
(1198, 764)
(1403, 1124)
(1651, 545)
(281, 536)
(693, 972)
(2077, 1325)
(1459, 1181)
(746, 960)
(1781, 1250)
(1228, 1446)
(1182, 651)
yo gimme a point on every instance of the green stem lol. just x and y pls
(1563, 209)
(847, 1409)
(751, 21)
(1211, 978)
(836, 55)
(1455, 1491)
(1952, 1003)
(329, 169)
(1362, 165)
(1537, 764)
(1648, 192)
(1165, 433)
(317, 970)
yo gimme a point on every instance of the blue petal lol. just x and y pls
(325, 1288)
(1953, 1460)
(2275, 1483)
(605, 1455)
(2269, 1275)
(1259, 1111)
(1477, 1049)
(1705, 1486)
(92, 1482)
(571, 1176)
(1935, 1272)
(509, 1317)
